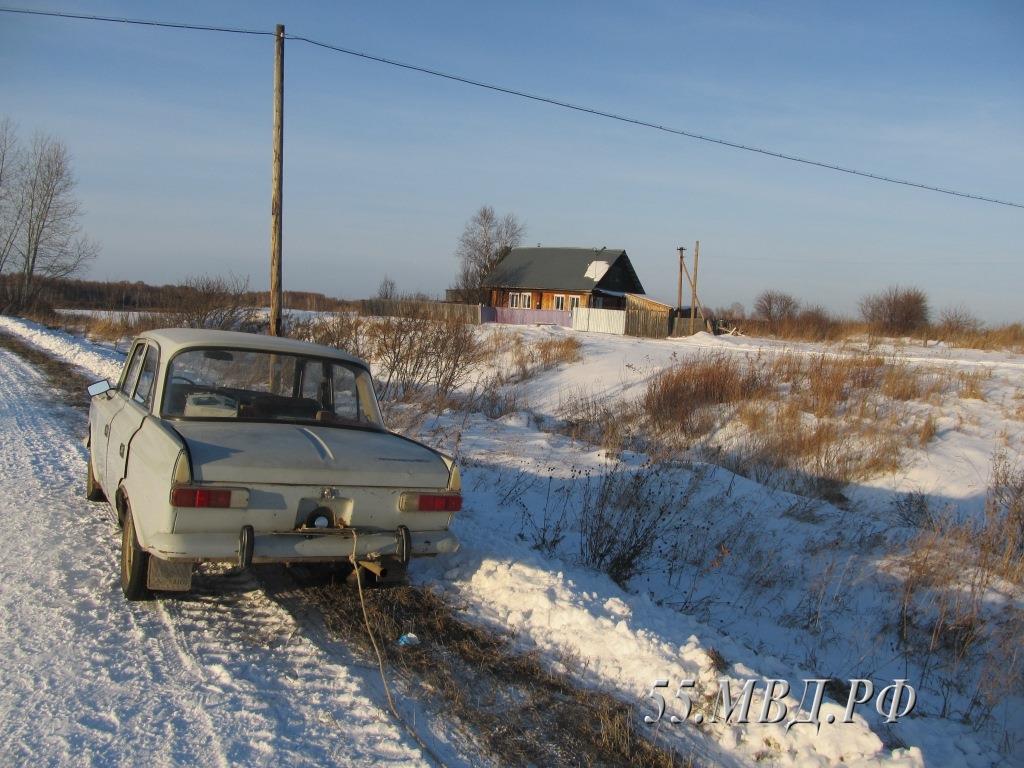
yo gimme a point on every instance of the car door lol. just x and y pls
(105, 407)
(137, 395)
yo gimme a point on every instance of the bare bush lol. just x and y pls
(1004, 508)
(596, 420)
(344, 330)
(957, 323)
(218, 302)
(913, 509)
(417, 354)
(814, 323)
(896, 310)
(624, 517)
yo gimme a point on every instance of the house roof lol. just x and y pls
(566, 269)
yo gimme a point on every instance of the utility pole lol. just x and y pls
(275, 194)
(693, 287)
(679, 294)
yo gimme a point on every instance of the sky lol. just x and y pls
(170, 132)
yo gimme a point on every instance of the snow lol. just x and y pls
(779, 585)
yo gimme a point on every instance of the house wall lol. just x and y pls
(539, 299)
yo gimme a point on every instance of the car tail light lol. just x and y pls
(210, 498)
(431, 502)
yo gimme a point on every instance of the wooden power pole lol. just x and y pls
(693, 287)
(275, 194)
(679, 294)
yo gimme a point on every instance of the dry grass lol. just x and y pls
(594, 420)
(901, 382)
(811, 423)
(555, 351)
(126, 325)
(785, 446)
(683, 398)
(948, 617)
(1008, 337)
(485, 685)
(927, 431)
(969, 384)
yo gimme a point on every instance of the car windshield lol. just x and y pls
(243, 384)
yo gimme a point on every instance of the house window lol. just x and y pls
(559, 302)
(513, 300)
(574, 302)
(527, 300)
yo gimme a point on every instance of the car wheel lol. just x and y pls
(93, 492)
(134, 561)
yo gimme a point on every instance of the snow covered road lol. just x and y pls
(88, 679)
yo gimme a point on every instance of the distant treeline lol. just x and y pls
(139, 296)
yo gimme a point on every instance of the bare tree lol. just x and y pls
(11, 166)
(387, 289)
(896, 310)
(776, 308)
(40, 222)
(484, 242)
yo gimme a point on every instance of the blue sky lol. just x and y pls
(170, 132)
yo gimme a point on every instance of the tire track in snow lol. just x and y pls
(90, 679)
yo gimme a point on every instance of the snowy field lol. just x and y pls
(751, 581)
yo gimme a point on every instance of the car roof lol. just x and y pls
(173, 340)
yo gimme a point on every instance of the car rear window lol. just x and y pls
(245, 384)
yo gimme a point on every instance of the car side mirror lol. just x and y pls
(99, 388)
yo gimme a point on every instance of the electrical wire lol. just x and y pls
(143, 22)
(533, 97)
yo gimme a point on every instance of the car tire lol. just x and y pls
(134, 561)
(93, 492)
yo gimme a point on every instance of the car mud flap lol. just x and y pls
(246, 544)
(403, 541)
(165, 576)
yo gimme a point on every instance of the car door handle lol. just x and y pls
(106, 430)
(121, 451)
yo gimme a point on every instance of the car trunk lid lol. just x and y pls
(293, 454)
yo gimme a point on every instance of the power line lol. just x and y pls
(143, 22)
(531, 97)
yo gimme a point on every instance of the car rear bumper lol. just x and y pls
(287, 547)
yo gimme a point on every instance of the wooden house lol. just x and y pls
(562, 279)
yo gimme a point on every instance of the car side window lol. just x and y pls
(313, 382)
(346, 396)
(144, 389)
(131, 369)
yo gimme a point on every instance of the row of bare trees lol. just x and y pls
(894, 310)
(40, 230)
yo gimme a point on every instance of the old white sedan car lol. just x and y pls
(220, 446)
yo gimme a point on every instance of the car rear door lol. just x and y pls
(137, 395)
